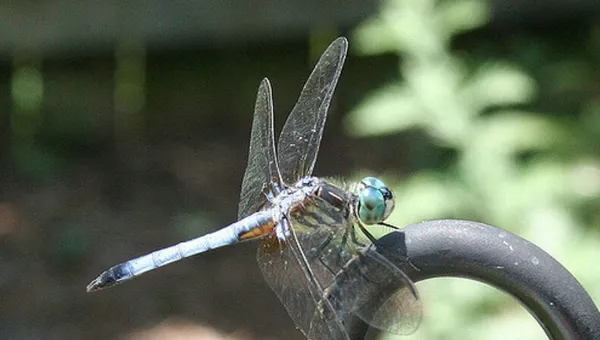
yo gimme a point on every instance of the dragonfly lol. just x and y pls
(311, 252)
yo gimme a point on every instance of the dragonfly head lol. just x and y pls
(375, 201)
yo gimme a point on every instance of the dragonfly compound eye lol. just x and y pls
(376, 201)
(389, 201)
(371, 206)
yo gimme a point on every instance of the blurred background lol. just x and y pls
(124, 128)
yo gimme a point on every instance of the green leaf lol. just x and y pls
(388, 110)
(496, 84)
(465, 15)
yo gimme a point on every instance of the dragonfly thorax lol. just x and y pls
(292, 196)
(370, 201)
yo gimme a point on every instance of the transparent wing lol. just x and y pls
(321, 276)
(299, 260)
(301, 135)
(262, 170)
(284, 268)
(378, 292)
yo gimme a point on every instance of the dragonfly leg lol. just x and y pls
(326, 266)
(318, 253)
(355, 238)
(367, 233)
(315, 252)
(388, 225)
(309, 200)
(339, 259)
(339, 254)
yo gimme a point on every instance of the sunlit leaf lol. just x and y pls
(374, 37)
(496, 84)
(464, 15)
(511, 131)
(387, 110)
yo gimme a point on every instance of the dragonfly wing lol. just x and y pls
(301, 135)
(300, 259)
(286, 269)
(262, 169)
(378, 292)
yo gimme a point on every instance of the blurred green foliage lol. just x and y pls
(514, 163)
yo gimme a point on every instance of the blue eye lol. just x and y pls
(373, 182)
(375, 201)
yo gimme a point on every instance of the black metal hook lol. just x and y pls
(494, 256)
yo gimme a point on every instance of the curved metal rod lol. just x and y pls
(501, 259)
